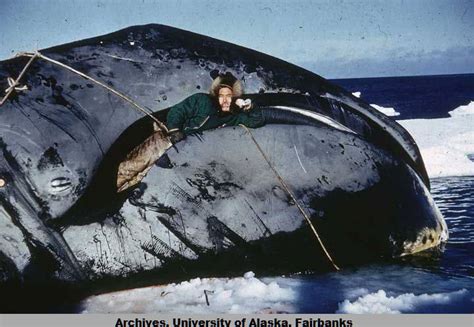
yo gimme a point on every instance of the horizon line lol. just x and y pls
(397, 76)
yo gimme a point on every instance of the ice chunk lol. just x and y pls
(386, 111)
(380, 302)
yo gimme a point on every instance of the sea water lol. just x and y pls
(439, 113)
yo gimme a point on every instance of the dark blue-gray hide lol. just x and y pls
(212, 202)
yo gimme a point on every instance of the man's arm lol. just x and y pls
(181, 112)
(252, 119)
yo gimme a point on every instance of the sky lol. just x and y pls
(335, 39)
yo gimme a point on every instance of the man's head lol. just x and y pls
(224, 88)
(225, 98)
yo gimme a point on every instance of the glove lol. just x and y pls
(176, 136)
(244, 104)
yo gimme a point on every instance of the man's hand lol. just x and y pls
(176, 136)
(244, 104)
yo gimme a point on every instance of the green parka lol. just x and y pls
(199, 112)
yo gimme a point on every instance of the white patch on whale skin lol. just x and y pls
(60, 185)
(299, 160)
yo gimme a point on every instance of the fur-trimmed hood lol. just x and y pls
(226, 80)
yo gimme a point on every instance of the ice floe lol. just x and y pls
(246, 294)
(381, 302)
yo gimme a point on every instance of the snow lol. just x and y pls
(380, 302)
(446, 143)
(251, 295)
(246, 294)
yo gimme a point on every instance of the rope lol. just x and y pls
(124, 97)
(305, 215)
(13, 84)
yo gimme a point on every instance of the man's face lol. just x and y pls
(225, 98)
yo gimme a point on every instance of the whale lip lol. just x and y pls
(426, 239)
(313, 116)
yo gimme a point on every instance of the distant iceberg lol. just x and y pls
(463, 110)
(385, 110)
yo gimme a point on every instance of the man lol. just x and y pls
(196, 113)
(202, 111)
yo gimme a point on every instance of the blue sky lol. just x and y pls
(335, 39)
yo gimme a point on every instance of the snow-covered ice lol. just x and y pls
(463, 110)
(246, 294)
(380, 302)
(446, 143)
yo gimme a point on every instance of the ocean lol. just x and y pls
(439, 113)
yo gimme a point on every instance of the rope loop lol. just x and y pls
(14, 85)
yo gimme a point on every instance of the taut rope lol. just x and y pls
(282, 182)
(14, 84)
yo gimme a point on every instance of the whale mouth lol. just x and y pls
(294, 116)
(427, 238)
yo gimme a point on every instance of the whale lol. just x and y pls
(327, 183)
